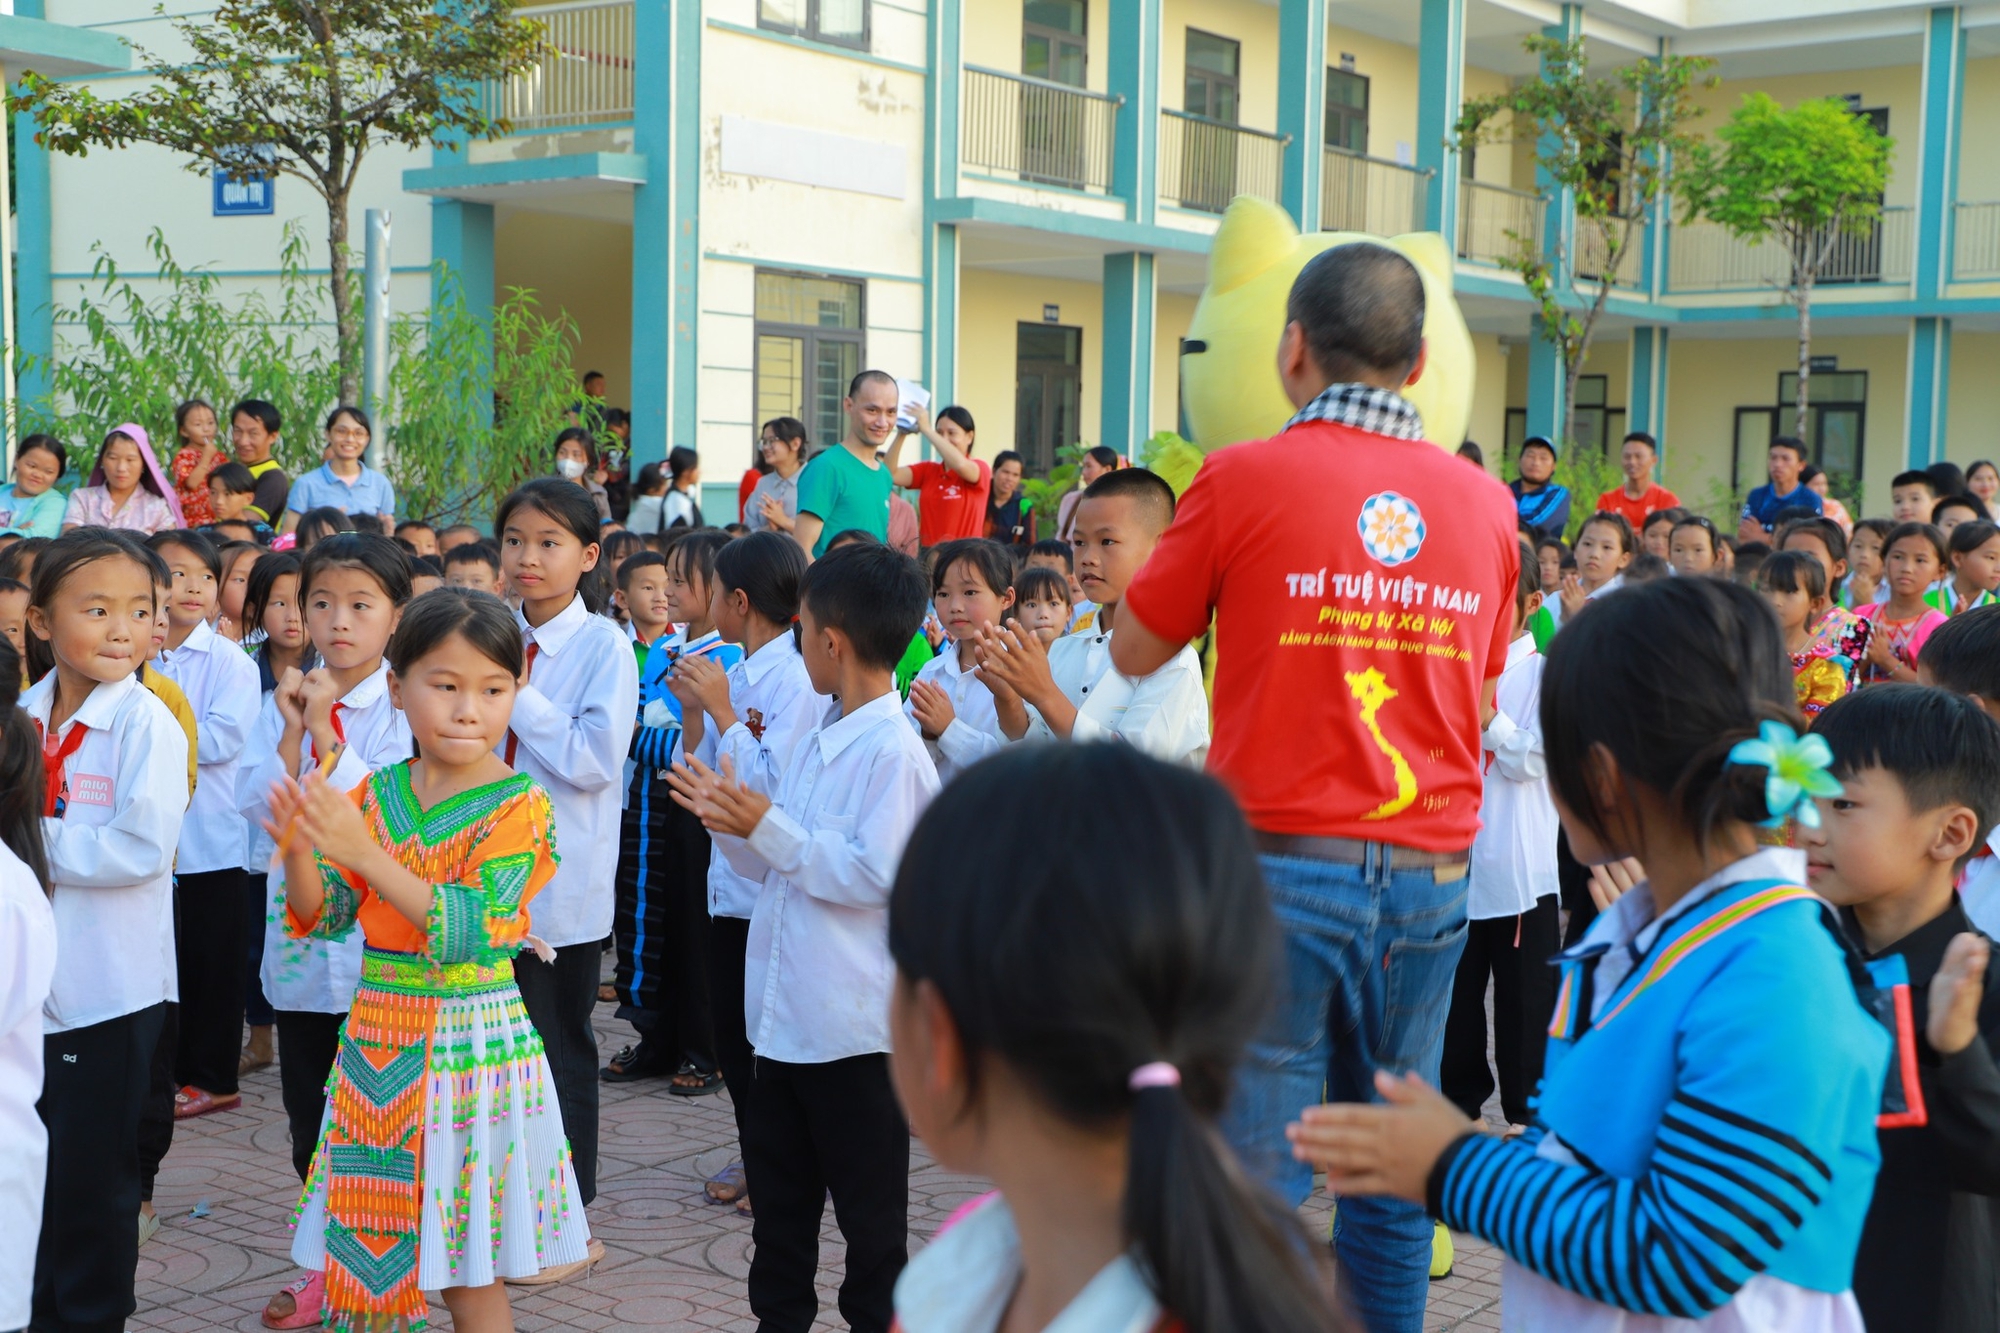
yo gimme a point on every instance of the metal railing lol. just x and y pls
(1040, 132)
(1975, 241)
(1592, 255)
(1371, 194)
(1705, 257)
(584, 73)
(1205, 163)
(1494, 222)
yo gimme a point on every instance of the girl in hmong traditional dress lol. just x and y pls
(442, 1163)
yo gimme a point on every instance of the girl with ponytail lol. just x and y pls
(1069, 1032)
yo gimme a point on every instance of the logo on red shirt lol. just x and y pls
(1391, 527)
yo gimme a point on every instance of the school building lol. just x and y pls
(741, 202)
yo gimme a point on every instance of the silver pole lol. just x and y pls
(375, 334)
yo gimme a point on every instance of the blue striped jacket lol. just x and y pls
(1714, 1114)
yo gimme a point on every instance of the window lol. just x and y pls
(842, 22)
(1346, 110)
(809, 341)
(1213, 66)
(1048, 393)
(1052, 41)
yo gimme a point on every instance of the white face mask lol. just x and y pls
(571, 468)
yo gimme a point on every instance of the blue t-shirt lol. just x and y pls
(369, 494)
(1765, 503)
(656, 743)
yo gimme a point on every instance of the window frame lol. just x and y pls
(1190, 72)
(1057, 39)
(811, 31)
(1347, 113)
(809, 335)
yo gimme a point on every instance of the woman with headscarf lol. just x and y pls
(127, 488)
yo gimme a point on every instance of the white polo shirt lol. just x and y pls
(220, 682)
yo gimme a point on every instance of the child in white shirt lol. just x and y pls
(823, 1116)
(1511, 893)
(1069, 690)
(972, 586)
(1963, 656)
(114, 793)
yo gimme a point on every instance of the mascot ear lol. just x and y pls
(1430, 253)
(1255, 234)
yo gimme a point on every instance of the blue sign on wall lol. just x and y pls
(243, 198)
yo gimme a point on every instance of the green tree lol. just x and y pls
(1807, 177)
(1607, 143)
(303, 88)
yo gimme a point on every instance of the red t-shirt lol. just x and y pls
(743, 489)
(1363, 591)
(1636, 512)
(949, 506)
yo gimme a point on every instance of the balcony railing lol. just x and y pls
(1975, 241)
(584, 75)
(1704, 257)
(1593, 257)
(1039, 132)
(1205, 163)
(1371, 194)
(1494, 222)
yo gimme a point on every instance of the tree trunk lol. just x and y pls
(1805, 353)
(345, 320)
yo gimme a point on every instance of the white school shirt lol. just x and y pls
(27, 965)
(111, 854)
(776, 708)
(1514, 853)
(316, 976)
(1164, 714)
(1979, 888)
(817, 972)
(222, 690)
(574, 721)
(1554, 606)
(975, 732)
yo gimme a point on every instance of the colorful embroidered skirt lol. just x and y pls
(442, 1160)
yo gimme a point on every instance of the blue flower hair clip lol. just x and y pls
(1796, 771)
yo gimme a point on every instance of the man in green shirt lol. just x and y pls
(847, 487)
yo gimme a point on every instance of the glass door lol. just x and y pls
(1048, 393)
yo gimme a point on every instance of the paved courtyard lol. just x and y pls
(673, 1261)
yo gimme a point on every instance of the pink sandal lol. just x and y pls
(308, 1301)
(191, 1101)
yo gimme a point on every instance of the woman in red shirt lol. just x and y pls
(952, 491)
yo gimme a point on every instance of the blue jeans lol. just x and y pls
(1370, 953)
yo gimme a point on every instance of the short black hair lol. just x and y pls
(414, 525)
(1956, 502)
(480, 618)
(1940, 745)
(1963, 654)
(1927, 531)
(993, 563)
(1915, 477)
(851, 537)
(12, 585)
(1628, 541)
(1529, 581)
(694, 554)
(1700, 523)
(1041, 583)
(457, 528)
(474, 553)
(1948, 476)
(370, 552)
(1881, 527)
(1793, 571)
(868, 377)
(873, 595)
(191, 541)
(1824, 530)
(629, 567)
(1145, 488)
(233, 477)
(767, 567)
(1055, 546)
(1645, 567)
(265, 414)
(1360, 307)
(1642, 437)
(1969, 537)
(425, 566)
(1670, 517)
(1791, 442)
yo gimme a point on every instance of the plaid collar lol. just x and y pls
(1377, 411)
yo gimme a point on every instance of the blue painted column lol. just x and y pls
(1545, 372)
(941, 317)
(1302, 106)
(666, 239)
(1545, 385)
(1440, 91)
(1930, 385)
(34, 331)
(1646, 399)
(1134, 75)
(1937, 157)
(462, 240)
(1125, 419)
(941, 121)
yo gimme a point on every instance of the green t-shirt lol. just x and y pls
(915, 658)
(843, 492)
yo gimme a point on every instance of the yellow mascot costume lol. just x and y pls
(1229, 371)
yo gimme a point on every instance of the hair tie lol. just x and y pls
(1796, 771)
(1158, 1074)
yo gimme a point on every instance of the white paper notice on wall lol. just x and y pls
(813, 157)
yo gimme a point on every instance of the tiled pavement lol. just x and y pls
(674, 1261)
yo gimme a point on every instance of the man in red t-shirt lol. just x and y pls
(951, 493)
(1360, 628)
(1640, 497)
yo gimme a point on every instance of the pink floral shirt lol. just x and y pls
(143, 511)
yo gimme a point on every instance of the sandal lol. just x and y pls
(607, 993)
(257, 1053)
(743, 1207)
(191, 1101)
(149, 1227)
(308, 1300)
(637, 1062)
(707, 1082)
(727, 1185)
(593, 1254)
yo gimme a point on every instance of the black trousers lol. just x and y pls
(156, 1115)
(728, 939)
(560, 998)
(94, 1082)
(307, 1045)
(1514, 951)
(256, 902)
(1573, 880)
(209, 945)
(661, 924)
(811, 1130)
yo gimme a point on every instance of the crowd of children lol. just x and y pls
(388, 799)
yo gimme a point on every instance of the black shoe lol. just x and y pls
(644, 1060)
(711, 1081)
